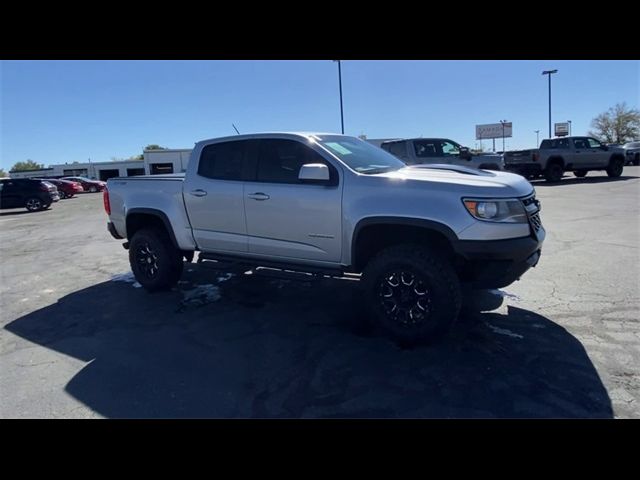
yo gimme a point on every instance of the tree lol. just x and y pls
(2, 173)
(26, 165)
(619, 124)
(153, 146)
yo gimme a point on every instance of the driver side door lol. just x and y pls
(288, 218)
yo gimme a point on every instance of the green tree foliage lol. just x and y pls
(153, 146)
(619, 124)
(2, 173)
(26, 165)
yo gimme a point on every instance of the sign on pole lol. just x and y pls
(561, 129)
(493, 130)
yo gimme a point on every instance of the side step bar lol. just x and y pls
(229, 261)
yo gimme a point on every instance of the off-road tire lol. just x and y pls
(155, 261)
(431, 273)
(616, 165)
(553, 172)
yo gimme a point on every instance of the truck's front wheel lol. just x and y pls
(616, 165)
(155, 261)
(412, 294)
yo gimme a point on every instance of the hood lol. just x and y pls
(469, 181)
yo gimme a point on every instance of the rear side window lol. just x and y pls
(223, 161)
(428, 148)
(279, 161)
(556, 143)
(399, 149)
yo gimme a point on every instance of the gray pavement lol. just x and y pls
(79, 339)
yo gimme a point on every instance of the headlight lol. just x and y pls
(508, 210)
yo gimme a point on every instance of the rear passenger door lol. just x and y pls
(285, 217)
(213, 197)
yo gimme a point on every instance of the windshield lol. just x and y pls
(360, 155)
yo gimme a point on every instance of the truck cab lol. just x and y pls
(415, 151)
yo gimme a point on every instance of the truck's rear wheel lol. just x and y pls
(412, 294)
(155, 261)
(554, 172)
(581, 173)
(616, 165)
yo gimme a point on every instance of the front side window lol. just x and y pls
(222, 161)
(450, 149)
(280, 160)
(593, 143)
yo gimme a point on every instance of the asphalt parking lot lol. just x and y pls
(79, 339)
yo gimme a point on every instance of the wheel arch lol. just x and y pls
(138, 218)
(373, 234)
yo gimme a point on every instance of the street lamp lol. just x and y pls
(569, 122)
(537, 137)
(549, 73)
(502, 122)
(340, 85)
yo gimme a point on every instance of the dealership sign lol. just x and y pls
(493, 130)
(562, 129)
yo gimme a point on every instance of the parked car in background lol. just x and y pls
(31, 194)
(632, 152)
(555, 156)
(414, 151)
(88, 185)
(53, 190)
(66, 188)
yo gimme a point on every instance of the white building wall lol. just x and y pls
(178, 158)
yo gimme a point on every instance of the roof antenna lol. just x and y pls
(234, 127)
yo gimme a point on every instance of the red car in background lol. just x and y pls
(87, 184)
(66, 188)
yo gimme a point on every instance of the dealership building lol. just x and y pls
(154, 162)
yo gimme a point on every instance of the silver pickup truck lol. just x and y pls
(558, 155)
(332, 204)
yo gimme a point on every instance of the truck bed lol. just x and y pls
(157, 193)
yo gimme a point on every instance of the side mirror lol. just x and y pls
(314, 172)
(465, 154)
(605, 147)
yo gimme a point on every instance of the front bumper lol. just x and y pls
(498, 263)
(112, 230)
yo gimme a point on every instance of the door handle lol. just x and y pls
(259, 196)
(198, 193)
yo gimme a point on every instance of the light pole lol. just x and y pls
(537, 137)
(502, 122)
(340, 85)
(549, 73)
(569, 122)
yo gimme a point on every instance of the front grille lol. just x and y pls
(536, 223)
(532, 207)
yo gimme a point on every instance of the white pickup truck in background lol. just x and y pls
(331, 204)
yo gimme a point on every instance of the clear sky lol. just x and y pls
(65, 111)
